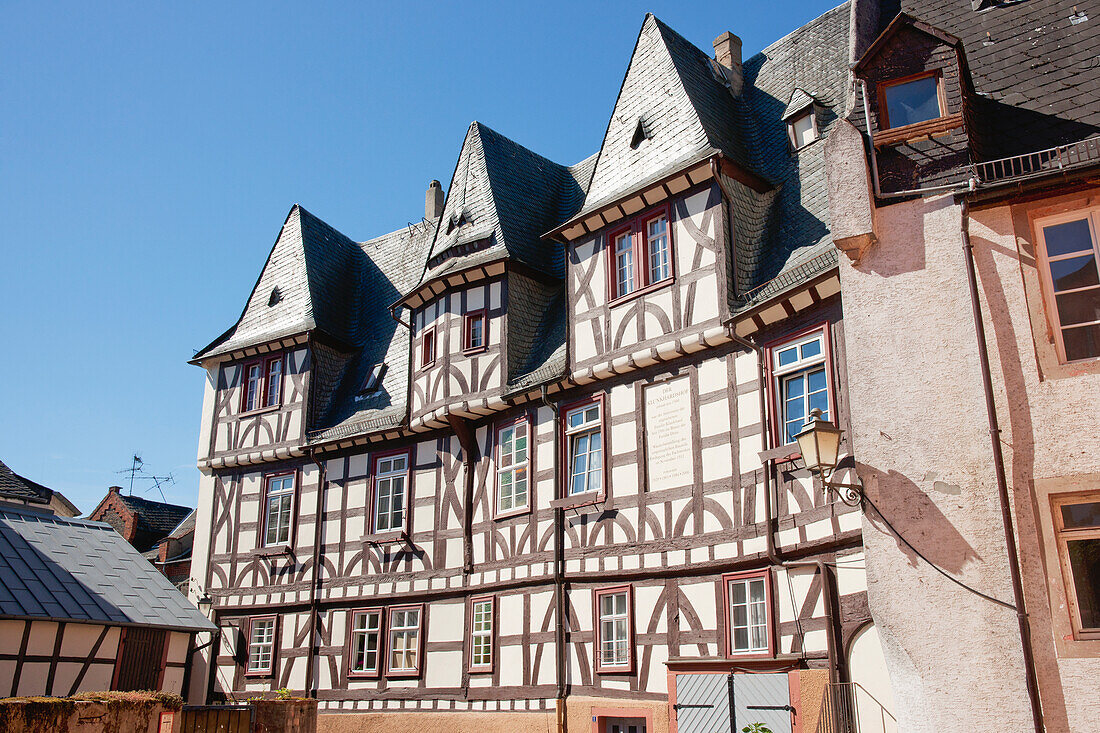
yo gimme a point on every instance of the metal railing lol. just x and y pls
(847, 707)
(1041, 162)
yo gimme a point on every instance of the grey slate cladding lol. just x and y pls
(74, 570)
(155, 516)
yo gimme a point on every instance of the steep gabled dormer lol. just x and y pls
(916, 87)
(489, 276)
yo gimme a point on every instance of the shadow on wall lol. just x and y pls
(917, 518)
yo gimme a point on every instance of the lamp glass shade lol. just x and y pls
(204, 602)
(819, 443)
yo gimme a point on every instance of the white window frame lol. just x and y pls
(801, 367)
(285, 492)
(588, 428)
(1050, 300)
(624, 263)
(657, 271)
(1062, 537)
(763, 604)
(509, 466)
(383, 481)
(614, 652)
(362, 636)
(792, 133)
(261, 651)
(409, 634)
(482, 612)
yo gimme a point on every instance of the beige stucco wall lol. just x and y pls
(919, 434)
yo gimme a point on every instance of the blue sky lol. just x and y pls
(149, 153)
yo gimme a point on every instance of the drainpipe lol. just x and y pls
(999, 469)
(315, 580)
(469, 465)
(774, 557)
(559, 574)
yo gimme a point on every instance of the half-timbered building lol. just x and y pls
(530, 462)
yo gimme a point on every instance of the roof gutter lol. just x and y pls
(1030, 675)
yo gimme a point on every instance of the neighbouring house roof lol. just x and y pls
(14, 486)
(155, 516)
(65, 569)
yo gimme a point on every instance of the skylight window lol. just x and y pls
(640, 134)
(275, 296)
(372, 382)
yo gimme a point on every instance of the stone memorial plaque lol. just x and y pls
(669, 449)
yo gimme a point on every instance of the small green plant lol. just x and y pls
(283, 693)
(756, 728)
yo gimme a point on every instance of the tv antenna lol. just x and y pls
(138, 473)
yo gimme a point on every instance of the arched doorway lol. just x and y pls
(872, 695)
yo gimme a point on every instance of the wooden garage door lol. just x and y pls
(140, 659)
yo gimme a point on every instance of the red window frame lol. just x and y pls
(597, 636)
(638, 230)
(406, 525)
(497, 444)
(420, 638)
(263, 393)
(769, 611)
(468, 321)
(292, 533)
(482, 668)
(377, 671)
(565, 456)
(941, 97)
(428, 347)
(270, 671)
(773, 386)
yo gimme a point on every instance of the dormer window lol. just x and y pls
(263, 384)
(640, 254)
(911, 100)
(640, 134)
(802, 129)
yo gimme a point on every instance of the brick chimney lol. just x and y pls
(727, 52)
(433, 201)
(114, 489)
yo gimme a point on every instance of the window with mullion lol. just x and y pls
(748, 615)
(261, 645)
(273, 386)
(366, 640)
(801, 374)
(254, 380)
(1070, 250)
(278, 509)
(624, 264)
(474, 337)
(584, 432)
(391, 479)
(614, 648)
(512, 467)
(404, 640)
(481, 635)
(641, 254)
(1077, 531)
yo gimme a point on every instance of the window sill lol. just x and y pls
(260, 674)
(513, 513)
(385, 538)
(652, 288)
(480, 670)
(272, 551)
(750, 656)
(363, 675)
(625, 670)
(259, 411)
(475, 350)
(576, 501)
(928, 128)
(403, 675)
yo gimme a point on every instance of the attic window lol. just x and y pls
(275, 296)
(802, 129)
(457, 222)
(912, 100)
(640, 134)
(373, 380)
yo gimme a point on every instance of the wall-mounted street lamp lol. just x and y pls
(204, 602)
(819, 443)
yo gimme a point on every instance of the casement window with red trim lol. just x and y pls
(614, 638)
(482, 622)
(1069, 252)
(911, 100)
(584, 431)
(475, 331)
(390, 481)
(278, 509)
(512, 467)
(404, 625)
(640, 253)
(800, 381)
(261, 645)
(427, 348)
(748, 614)
(263, 384)
(366, 643)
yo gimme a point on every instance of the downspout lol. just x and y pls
(314, 584)
(999, 469)
(559, 574)
(774, 557)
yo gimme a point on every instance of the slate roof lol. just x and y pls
(15, 486)
(1033, 64)
(155, 516)
(74, 570)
